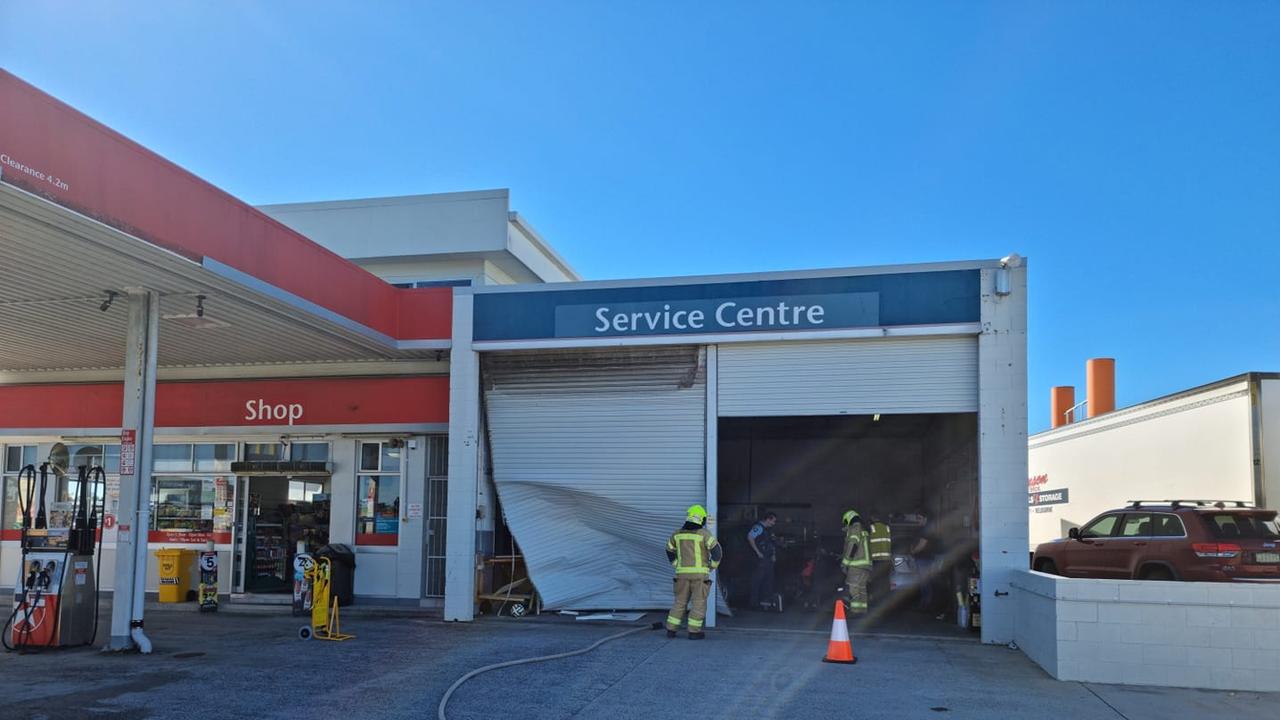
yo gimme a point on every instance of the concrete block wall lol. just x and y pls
(1219, 636)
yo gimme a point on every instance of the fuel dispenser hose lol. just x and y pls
(541, 658)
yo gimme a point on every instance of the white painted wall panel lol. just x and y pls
(1195, 447)
(1270, 440)
(410, 225)
(898, 375)
(375, 572)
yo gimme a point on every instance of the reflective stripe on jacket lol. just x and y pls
(881, 542)
(693, 551)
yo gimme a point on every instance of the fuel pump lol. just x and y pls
(55, 601)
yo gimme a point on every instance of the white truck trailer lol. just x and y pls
(1219, 441)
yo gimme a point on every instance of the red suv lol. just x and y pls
(1170, 540)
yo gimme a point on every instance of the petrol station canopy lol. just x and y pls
(86, 213)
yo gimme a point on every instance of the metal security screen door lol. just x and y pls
(851, 377)
(596, 455)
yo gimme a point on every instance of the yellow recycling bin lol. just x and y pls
(175, 573)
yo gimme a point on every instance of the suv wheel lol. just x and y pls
(1156, 572)
(1046, 566)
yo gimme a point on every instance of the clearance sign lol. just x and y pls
(233, 403)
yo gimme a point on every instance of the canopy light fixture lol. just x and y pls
(200, 306)
(111, 297)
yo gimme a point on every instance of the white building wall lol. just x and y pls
(415, 269)
(1002, 443)
(1269, 439)
(1193, 447)
(410, 225)
(1221, 636)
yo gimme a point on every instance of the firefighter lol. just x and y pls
(856, 561)
(694, 553)
(880, 541)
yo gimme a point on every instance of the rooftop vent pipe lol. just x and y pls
(1061, 399)
(1100, 374)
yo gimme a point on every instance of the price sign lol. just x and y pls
(128, 451)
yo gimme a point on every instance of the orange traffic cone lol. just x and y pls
(839, 649)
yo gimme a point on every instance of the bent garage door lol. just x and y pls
(596, 455)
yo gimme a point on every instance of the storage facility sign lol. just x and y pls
(770, 305)
(1049, 497)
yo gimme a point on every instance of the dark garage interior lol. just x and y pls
(809, 470)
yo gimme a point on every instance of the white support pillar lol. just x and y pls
(713, 466)
(1002, 446)
(134, 511)
(464, 444)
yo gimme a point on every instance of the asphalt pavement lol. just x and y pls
(234, 665)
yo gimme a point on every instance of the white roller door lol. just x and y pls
(596, 455)
(891, 375)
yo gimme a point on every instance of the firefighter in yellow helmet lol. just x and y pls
(856, 561)
(694, 553)
(881, 546)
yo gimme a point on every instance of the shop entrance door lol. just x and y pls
(276, 513)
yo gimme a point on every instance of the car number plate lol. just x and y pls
(1267, 557)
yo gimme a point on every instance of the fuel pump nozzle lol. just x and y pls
(26, 519)
(42, 520)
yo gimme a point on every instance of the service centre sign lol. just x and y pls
(770, 305)
(717, 315)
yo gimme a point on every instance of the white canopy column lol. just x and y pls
(134, 512)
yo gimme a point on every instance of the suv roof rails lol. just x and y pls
(1221, 504)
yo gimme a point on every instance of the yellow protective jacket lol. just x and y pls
(857, 552)
(693, 551)
(881, 542)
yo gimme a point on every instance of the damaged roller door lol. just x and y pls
(596, 455)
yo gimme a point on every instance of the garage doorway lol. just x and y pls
(917, 472)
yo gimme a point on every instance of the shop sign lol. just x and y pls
(234, 403)
(260, 409)
(1049, 497)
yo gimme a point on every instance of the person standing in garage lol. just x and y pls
(694, 553)
(856, 561)
(760, 538)
(926, 551)
(881, 545)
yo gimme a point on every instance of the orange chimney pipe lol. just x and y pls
(1061, 399)
(1100, 374)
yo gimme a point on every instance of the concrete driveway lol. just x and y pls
(233, 665)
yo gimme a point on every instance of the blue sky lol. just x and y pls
(1131, 150)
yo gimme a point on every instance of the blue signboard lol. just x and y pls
(775, 305)
(717, 315)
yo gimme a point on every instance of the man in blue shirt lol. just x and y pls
(762, 544)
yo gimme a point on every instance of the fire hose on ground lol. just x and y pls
(541, 658)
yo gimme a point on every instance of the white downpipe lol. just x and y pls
(140, 576)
